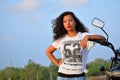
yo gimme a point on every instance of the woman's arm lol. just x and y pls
(49, 53)
(91, 37)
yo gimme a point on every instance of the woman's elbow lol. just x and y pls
(47, 52)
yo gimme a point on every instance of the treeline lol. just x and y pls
(94, 67)
(34, 71)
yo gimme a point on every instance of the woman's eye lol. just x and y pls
(71, 20)
(64, 21)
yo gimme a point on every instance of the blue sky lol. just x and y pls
(26, 30)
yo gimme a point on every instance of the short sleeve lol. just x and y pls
(56, 44)
(90, 44)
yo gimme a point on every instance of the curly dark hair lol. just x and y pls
(58, 28)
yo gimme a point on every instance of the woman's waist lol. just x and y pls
(71, 75)
(71, 66)
(71, 70)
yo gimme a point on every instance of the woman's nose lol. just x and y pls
(68, 22)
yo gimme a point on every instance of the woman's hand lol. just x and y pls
(60, 62)
(83, 43)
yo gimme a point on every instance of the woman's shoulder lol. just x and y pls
(86, 33)
(83, 33)
(60, 39)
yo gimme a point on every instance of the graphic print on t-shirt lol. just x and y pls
(71, 52)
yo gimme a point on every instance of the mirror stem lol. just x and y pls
(105, 33)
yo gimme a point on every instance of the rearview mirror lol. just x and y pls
(98, 23)
(102, 68)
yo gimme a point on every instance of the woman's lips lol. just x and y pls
(68, 26)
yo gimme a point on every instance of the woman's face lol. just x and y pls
(69, 23)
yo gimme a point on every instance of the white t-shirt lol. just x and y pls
(75, 58)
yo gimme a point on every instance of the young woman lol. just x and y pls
(72, 39)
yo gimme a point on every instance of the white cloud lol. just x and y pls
(26, 5)
(73, 3)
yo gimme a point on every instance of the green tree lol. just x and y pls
(53, 71)
(33, 71)
(9, 73)
(93, 67)
(30, 71)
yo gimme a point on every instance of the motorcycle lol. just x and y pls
(113, 73)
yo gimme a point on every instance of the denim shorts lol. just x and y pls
(71, 78)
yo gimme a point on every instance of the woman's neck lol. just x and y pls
(72, 33)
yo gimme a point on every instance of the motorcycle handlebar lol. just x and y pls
(106, 43)
(102, 42)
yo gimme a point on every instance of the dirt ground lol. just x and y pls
(96, 78)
